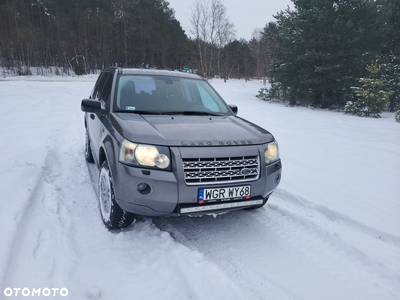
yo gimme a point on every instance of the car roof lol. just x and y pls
(150, 72)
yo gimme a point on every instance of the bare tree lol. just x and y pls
(255, 47)
(225, 35)
(211, 30)
(261, 50)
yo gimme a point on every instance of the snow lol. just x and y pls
(330, 231)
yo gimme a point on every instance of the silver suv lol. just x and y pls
(167, 144)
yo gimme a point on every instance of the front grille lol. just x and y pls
(219, 170)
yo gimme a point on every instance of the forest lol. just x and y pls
(320, 53)
(94, 33)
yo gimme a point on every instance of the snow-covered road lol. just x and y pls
(331, 230)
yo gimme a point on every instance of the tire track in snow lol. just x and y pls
(43, 223)
(22, 218)
(341, 232)
(46, 236)
(288, 223)
(38, 233)
(309, 207)
(335, 241)
(255, 285)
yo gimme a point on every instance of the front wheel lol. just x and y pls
(112, 214)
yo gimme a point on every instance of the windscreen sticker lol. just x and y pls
(130, 108)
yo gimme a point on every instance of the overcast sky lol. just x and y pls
(246, 15)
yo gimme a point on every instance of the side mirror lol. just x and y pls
(234, 108)
(92, 106)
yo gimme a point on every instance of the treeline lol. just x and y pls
(90, 34)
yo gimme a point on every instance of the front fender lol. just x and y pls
(111, 152)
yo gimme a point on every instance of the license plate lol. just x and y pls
(225, 194)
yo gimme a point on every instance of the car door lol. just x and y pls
(101, 92)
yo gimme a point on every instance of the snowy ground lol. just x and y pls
(331, 230)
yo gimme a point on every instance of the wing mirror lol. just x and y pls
(234, 108)
(92, 106)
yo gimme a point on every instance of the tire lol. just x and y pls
(112, 214)
(258, 206)
(88, 150)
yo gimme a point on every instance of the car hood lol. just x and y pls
(181, 130)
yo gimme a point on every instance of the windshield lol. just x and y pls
(167, 94)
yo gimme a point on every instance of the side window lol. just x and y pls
(105, 93)
(99, 86)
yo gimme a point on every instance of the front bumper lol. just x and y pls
(219, 207)
(170, 195)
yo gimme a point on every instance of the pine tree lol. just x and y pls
(371, 98)
(320, 46)
(390, 12)
(391, 77)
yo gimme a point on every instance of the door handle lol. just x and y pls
(92, 116)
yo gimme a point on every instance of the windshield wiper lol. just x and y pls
(191, 113)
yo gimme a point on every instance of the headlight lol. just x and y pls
(144, 155)
(271, 152)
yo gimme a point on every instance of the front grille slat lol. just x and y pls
(217, 170)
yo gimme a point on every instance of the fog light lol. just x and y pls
(143, 188)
